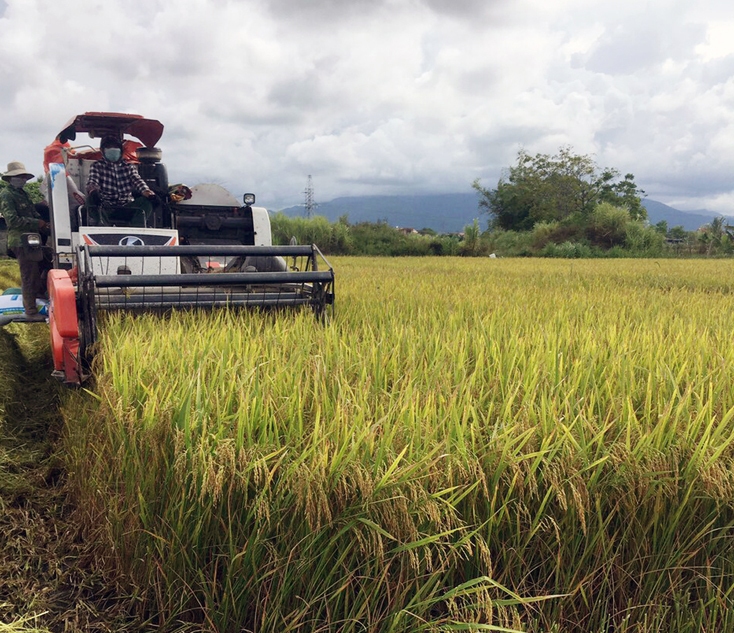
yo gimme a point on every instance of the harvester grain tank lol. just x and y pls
(201, 248)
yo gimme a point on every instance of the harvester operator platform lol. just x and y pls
(112, 183)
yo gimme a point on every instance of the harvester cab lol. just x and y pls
(199, 248)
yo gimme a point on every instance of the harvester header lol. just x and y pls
(199, 247)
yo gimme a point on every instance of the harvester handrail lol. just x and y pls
(213, 279)
(196, 250)
(317, 250)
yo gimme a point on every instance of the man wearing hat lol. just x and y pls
(21, 217)
(112, 181)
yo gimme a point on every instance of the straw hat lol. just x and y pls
(16, 168)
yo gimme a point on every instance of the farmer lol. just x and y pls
(112, 181)
(22, 216)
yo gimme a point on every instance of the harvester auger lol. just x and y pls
(202, 250)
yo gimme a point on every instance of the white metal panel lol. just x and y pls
(261, 225)
(78, 170)
(61, 221)
(122, 236)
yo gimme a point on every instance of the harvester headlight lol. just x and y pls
(249, 199)
(33, 240)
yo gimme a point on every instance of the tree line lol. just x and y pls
(566, 205)
(561, 205)
(364, 238)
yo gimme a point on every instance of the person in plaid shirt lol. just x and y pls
(113, 182)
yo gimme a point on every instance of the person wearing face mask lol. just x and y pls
(114, 182)
(21, 216)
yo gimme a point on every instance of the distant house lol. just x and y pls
(407, 231)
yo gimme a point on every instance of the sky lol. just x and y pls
(385, 97)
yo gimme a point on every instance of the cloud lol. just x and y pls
(639, 44)
(383, 96)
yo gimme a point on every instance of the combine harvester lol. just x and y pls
(201, 249)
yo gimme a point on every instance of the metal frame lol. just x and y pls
(303, 285)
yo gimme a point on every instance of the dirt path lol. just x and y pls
(48, 577)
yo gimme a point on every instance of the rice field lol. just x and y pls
(502, 445)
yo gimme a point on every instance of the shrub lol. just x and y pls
(511, 243)
(543, 233)
(555, 232)
(473, 244)
(335, 239)
(567, 249)
(642, 240)
(444, 245)
(607, 225)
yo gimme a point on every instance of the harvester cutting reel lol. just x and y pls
(148, 278)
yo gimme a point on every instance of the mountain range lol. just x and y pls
(451, 212)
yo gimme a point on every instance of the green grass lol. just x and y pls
(537, 446)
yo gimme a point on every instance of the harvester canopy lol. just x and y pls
(100, 124)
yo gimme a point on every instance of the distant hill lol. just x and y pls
(450, 213)
(689, 220)
(445, 213)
